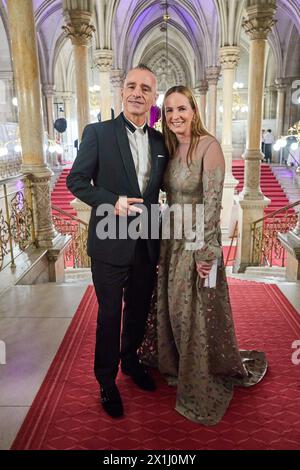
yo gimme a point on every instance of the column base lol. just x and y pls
(41, 171)
(249, 212)
(48, 240)
(82, 209)
(40, 176)
(251, 190)
(255, 154)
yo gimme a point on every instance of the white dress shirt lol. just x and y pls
(140, 149)
(268, 138)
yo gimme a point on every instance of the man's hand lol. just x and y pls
(203, 268)
(124, 206)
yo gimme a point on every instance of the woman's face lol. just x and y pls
(179, 114)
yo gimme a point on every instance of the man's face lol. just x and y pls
(139, 93)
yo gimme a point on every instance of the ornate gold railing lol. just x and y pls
(10, 165)
(266, 248)
(65, 223)
(16, 219)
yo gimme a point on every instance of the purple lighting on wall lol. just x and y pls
(155, 114)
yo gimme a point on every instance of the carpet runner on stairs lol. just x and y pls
(61, 196)
(269, 184)
(270, 187)
(66, 413)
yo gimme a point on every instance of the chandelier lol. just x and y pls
(238, 105)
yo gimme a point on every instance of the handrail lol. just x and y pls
(11, 178)
(265, 244)
(71, 216)
(16, 219)
(277, 212)
(293, 157)
(76, 254)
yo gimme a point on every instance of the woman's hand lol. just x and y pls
(203, 268)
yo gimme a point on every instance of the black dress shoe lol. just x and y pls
(140, 377)
(111, 401)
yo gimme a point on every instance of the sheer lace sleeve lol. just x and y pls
(213, 179)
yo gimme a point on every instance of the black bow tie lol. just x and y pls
(131, 127)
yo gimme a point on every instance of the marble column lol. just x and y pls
(117, 80)
(80, 30)
(27, 79)
(229, 56)
(197, 97)
(257, 23)
(203, 89)
(103, 61)
(49, 92)
(212, 75)
(281, 86)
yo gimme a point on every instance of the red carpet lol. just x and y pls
(61, 196)
(66, 413)
(230, 252)
(268, 183)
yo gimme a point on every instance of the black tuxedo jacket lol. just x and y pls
(105, 158)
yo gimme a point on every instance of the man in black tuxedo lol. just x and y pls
(122, 157)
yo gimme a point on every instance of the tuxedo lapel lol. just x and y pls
(125, 151)
(154, 160)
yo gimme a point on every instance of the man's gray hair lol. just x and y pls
(142, 66)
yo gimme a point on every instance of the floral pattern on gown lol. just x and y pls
(190, 328)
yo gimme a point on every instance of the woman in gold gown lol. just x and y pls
(196, 344)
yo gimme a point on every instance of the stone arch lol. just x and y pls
(169, 72)
(5, 32)
(291, 62)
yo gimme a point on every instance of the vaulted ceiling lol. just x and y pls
(133, 30)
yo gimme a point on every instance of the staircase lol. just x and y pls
(288, 180)
(61, 196)
(265, 274)
(269, 184)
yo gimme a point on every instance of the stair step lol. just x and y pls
(62, 197)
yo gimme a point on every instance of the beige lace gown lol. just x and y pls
(197, 348)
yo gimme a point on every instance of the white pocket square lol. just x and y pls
(161, 156)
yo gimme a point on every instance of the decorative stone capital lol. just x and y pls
(203, 87)
(103, 59)
(78, 27)
(213, 74)
(281, 84)
(229, 57)
(196, 92)
(117, 77)
(259, 18)
(48, 89)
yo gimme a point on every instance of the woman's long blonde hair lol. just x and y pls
(197, 128)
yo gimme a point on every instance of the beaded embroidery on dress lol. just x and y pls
(190, 332)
